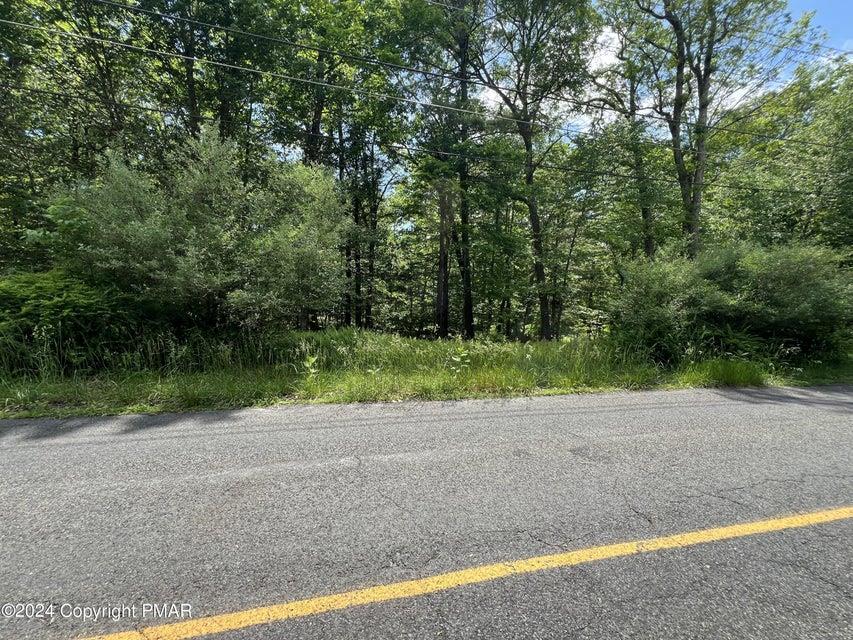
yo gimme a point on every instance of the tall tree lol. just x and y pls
(703, 57)
(466, 20)
(533, 54)
(795, 188)
(621, 87)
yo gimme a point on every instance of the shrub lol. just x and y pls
(201, 246)
(51, 321)
(116, 232)
(736, 300)
(662, 306)
(793, 297)
(293, 272)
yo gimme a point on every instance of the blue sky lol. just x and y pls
(834, 16)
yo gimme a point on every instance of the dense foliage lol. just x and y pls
(737, 300)
(176, 174)
(201, 245)
(54, 322)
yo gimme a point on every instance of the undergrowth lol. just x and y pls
(360, 366)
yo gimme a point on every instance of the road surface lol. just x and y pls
(229, 512)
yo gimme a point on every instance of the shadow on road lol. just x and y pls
(835, 398)
(47, 428)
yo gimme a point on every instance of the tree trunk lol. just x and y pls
(347, 249)
(247, 142)
(557, 315)
(536, 239)
(442, 294)
(675, 121)
(314, 143)
(692, 228)
(372, 223)
(356, 256)
(190, 81)
(692, 182)
(700, 132)
(225, 89)
(464, 254)
(371, 264)
(347, 293)
(646, 215)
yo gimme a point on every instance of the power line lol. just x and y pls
(378, 95)
(467, 156)
(435, 74)
(276, 39)
(609, 174)
(236, 67)
(128, 105)
(745, 28)
(845, 52)
(318, 83)
(327, 50)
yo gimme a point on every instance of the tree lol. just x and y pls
(701, 55)
(292, 271)
(621, 88)
(203, 245)
(464, 22)
(531, 55)
(789, 189)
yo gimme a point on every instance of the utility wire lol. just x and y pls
(87, 99)
(609, 174)
(317, 83)
(277, 39)
(374, 94)
(326, 50)
(378, 95)
(429, 73)
(442, 153)
(365, 92)
(748, 29)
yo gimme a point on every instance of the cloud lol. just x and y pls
(490, 98)
(604, 50)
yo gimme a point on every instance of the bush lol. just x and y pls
(117, 232)
(294, 272)
(201, 246)
(794, 296)
(737, 300)
(52, 322)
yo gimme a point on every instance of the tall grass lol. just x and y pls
(161, 373)
(315, 352)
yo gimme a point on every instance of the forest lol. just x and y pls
(215, 203)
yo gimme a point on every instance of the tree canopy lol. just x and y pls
(463, 167)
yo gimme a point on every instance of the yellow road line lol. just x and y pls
(474, 575)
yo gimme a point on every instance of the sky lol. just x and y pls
(834, 16)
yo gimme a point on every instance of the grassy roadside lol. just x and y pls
(363, 367)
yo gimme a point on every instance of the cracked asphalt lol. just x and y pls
(233, 510)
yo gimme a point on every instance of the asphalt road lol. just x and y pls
(233, 510)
